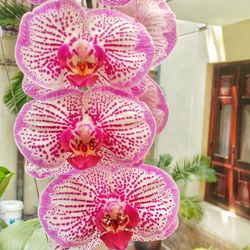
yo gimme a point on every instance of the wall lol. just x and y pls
(237, 41)
(8, 151)
(182, 78)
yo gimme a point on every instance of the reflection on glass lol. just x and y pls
(224, 131)
(245, 134)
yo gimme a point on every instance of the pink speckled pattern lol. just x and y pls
(114, 2)
(127, 124)
(159, 21)
(36, 91)
(127, 46)
(155, 99)
(70, 203)
(42, 172)
(138, 89)
(41, 33)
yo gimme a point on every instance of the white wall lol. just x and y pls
(183, 79)
(8, 150)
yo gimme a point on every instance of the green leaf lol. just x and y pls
(27, 235)
(38, 241)
(11, 12)
(188, 167)
(246, 248)
(2, 224)
(190, 209)
(14, 97)
(5, 177)
(164, 162)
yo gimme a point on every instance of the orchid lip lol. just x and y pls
(115, 221)
(82, 60)
(84, 141)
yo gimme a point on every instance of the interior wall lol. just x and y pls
(182, 78)
(8, 150)
(237, 41)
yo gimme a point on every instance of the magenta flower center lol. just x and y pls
(115, 219)
(84, 141)
(115, 222)
(82, 59)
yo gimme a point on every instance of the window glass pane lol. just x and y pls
(223, 131)
(245, 134)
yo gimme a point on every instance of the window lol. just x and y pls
(229, 138)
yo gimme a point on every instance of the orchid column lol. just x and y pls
(93, 119)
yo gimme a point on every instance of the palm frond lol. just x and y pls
(190, 209)
(198, 165)
(164, 162)
(14, 97)
(11, 12)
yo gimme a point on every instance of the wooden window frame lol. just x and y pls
(229, 169)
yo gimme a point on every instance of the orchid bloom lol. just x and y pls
(159, 21)
(60, 40)
(83, 127)
(83, 208)
(147, 90)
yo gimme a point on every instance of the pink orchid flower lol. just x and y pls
(83, 127)
(60, 40)
(146, 90)
(159, 21)
(84, 208)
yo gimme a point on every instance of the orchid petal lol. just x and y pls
(159, 21)
(63, 55)
(139, 89)
(127, 124)
(155, 99)
(82, 163)
(42, 172)
(158, 214)
(71, 203)
(114, 2)
(82, 81)
(131, 212)
(118, 241)
(40, 123)
(42, 33)
(32, 89)
(36, 91)
(128, 47)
